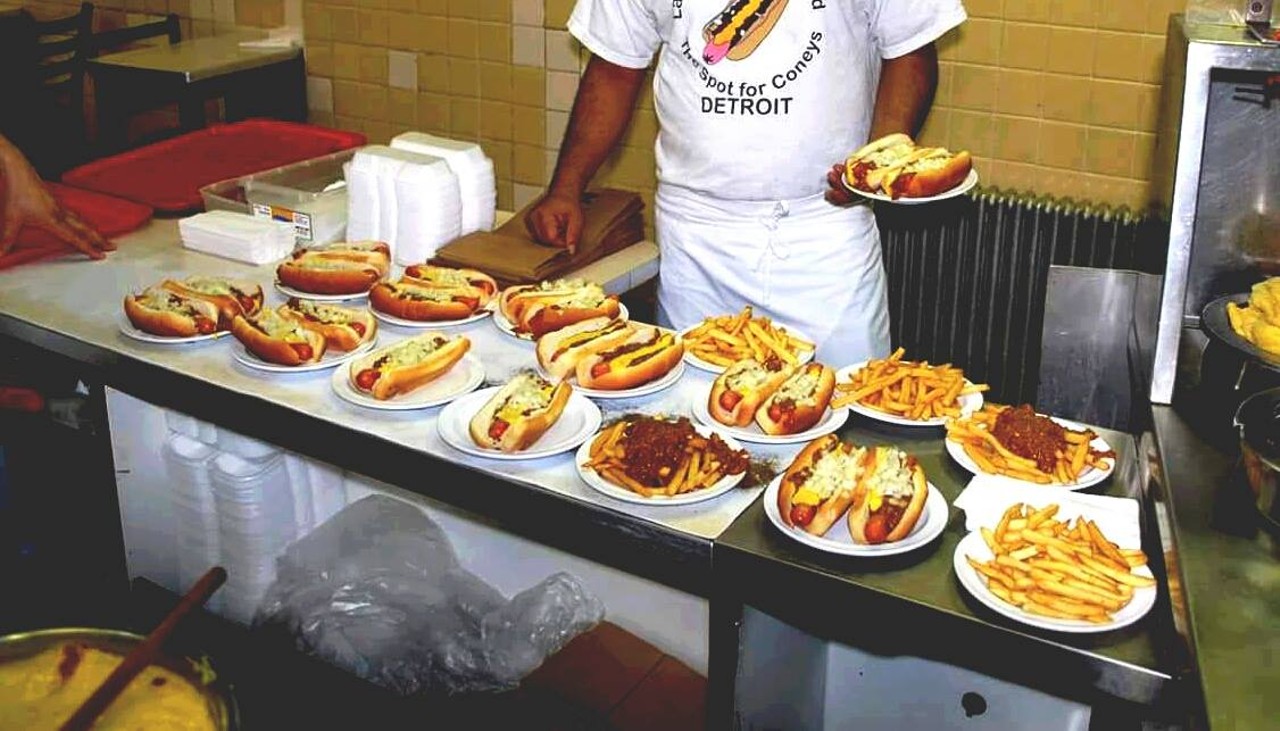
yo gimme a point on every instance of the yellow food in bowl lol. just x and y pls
(1259, 321)
(43, 690)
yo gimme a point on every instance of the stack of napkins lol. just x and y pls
(409, 200)
(476, 180)
(237, 236)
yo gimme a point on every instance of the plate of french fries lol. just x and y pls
(1060, 574)
(1081, 459)
(701, 471)
(907, 393)
(718, 342)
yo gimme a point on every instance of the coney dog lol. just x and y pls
(560, 350)
(739, 391)
(349, 268)
(230, 296)
(646, 354)
(343, 328)
(278, 339)
(799, 402)
(739, 28)
(434, 276)
(519, 413)
(162, 312)
(407, 365)
(889, 498)
(541, 308)
(413, 301)
(894, 165)
(820, 484)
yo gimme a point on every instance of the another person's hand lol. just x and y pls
(837, 193)
(24, 201)
(556, 220)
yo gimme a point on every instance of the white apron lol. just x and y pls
(808, 264)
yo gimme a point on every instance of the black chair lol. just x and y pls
(44, 90)
(110, 40)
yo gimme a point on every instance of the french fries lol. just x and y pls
(1055, 569)
(1073, 457)
(912, 390)
(727, 339)
(704, 461)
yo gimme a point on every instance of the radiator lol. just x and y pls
(967, 277)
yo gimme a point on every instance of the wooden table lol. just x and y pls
(267, 82)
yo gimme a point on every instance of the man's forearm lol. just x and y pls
(606, 99)
(907, 85)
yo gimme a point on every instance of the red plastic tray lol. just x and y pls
(111, 217)
(168, 175)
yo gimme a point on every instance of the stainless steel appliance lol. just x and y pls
(1216, 177)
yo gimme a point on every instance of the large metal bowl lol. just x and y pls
(1258, 420)
(220, 701)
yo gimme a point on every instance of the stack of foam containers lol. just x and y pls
(476, 181)
(238, 502)
(408, 200)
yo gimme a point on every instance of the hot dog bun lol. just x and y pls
(231, 297)
(278, 339)
(647, 354)
(819, 485)
(162, 312)
(547, 306)
(348, 268)
(800, 402)
(730, 35)
(411, 300)
(737, 393)
(893, 483)
(519, 413)
(895, 166)
(407, 365)
(559, 351)
(449, 278)
(343, 328)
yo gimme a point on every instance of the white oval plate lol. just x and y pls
(970, 180)
(291, 292)
(972, 545)
(1089, 477)
(590, 477)
(969, 403)
(507, 327)
(579, 421)
(933, 520)
(479, 314)
(833, 419)
(128, 329)
(464, 376)
(643, 389)
(330, 359)
(704, 365)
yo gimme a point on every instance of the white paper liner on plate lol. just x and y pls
(462, 378)
(579, 421)
(986, 498)
(479, 314)
(693, 360)
(965, 185)
(837, 540)
(1090, 477)
(291, 292)
(330, 359)
(127, 329)
(969, 403)
(589, 476)
(831, 421)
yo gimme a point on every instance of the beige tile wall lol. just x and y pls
(1054, 96)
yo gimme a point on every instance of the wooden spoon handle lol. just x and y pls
(145, 653)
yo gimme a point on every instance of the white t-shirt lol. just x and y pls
(757, 99)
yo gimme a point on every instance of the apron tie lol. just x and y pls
(773, 247)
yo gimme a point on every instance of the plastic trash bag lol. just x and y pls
(378, 590)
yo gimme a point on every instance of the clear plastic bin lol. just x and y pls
(310, 194)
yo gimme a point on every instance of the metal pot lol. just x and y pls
(1258, 420)
(220, 702)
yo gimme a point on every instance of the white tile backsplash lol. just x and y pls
(319, 94)
(526, 194)
(527, 12)
(402, 70)
(527, 46)
(552, 157)
(557, 122)
(562, 87)
(562, 51)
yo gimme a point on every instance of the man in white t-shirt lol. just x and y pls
(756, 101)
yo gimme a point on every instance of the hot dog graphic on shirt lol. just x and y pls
(739, 29)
